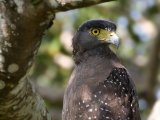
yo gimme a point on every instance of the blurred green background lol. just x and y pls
(138, 24)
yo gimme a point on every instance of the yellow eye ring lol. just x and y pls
(95, 31)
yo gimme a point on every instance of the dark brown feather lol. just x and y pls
(89, 78)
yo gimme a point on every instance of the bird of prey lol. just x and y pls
(100, 87)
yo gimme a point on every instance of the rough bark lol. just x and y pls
(22, 24)
(64, 5)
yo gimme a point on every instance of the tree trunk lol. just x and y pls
(153, 69)
(22, 24)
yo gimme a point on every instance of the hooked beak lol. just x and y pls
(113, 39)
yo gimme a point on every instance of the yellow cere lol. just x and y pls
(101, 34)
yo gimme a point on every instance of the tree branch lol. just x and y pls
(64, 5)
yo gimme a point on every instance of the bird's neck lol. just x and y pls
(101, 51)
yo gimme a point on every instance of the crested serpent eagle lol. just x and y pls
(100, 87)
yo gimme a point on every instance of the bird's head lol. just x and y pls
(94, 33)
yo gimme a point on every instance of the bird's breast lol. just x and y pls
(83, 82)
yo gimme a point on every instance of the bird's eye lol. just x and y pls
(95, 31)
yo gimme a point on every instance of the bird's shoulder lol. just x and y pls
(118, 83)
(117, 95)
